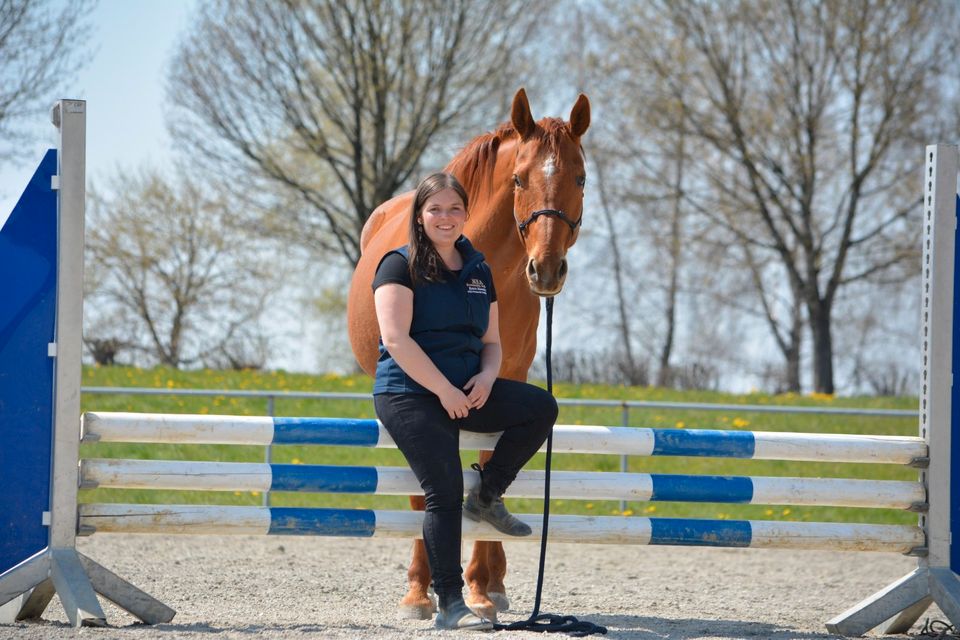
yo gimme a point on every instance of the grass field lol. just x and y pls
(286, 382)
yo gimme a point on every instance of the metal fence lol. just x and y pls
(625, 406)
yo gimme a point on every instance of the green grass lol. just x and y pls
(284, 382)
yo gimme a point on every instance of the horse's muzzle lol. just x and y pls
(546, 278)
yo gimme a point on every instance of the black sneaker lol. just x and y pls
(459, 616)
(496, 514)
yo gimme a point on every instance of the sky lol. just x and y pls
(123, 85)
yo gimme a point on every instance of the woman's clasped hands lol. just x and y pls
(474, 395)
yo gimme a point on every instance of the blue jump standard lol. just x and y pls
(28, 290)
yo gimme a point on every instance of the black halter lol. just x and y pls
(550, 212)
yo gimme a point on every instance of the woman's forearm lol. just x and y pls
(490, 359)
(417, 364)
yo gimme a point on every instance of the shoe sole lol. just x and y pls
(482, 626)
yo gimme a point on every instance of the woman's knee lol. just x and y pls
(444, 501)
(545, 406)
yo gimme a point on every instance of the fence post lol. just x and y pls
(624, 463)
(268, 453)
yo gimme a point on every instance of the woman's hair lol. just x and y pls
(425, 262)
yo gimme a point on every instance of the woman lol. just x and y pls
(437, 374)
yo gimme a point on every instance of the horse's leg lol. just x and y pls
(418, 604)
(497, 568)
(478, 575)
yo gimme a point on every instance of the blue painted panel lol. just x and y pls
(299, 521)
(330, 431)
(28, 278)
(323, 478)
(706, 442)
(701, 533)
(955, 407)
(679, 488)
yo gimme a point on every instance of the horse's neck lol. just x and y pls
(494, 228)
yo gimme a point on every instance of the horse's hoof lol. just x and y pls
(483, 608)
(418, 609)
(499, 600)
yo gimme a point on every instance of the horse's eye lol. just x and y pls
(581, 180)
(516, 180)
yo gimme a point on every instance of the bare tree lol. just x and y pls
(328, 106)
(808, 115)
(171, 278)
(42, 44)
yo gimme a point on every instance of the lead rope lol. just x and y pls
(549, 622)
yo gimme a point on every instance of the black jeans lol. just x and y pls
(430, 441)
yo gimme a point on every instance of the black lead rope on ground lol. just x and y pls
(549, 622)
(938, 629)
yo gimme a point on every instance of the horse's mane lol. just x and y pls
(474, 165)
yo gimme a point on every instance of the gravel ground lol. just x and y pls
(288, 587)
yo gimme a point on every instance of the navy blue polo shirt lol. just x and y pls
(449, 320)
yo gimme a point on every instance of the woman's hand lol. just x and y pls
(455, 402)
(478, 389)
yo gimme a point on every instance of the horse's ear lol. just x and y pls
(520, 115)
(580, 116)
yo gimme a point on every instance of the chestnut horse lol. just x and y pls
(525, 184)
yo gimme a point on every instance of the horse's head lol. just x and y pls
(549, 176)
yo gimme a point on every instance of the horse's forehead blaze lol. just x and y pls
(549, 166)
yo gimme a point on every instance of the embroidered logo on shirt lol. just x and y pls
(475, 285)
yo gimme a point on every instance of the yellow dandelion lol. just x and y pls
(627, 512)
(680, 424)
(589, 505)
(786, 512)
(348, 382)
(254, 493)
(204, 411)
(651, 508)
(296, 461)
(768, 512)
(740, 423)
(170, 384)
(237, 493)
(615, 511)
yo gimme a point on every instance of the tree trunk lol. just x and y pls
(792, 369)
(629, 364)
(822, 347)
(664, 373)
(792, 352)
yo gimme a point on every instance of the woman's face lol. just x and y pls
(443, 216)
